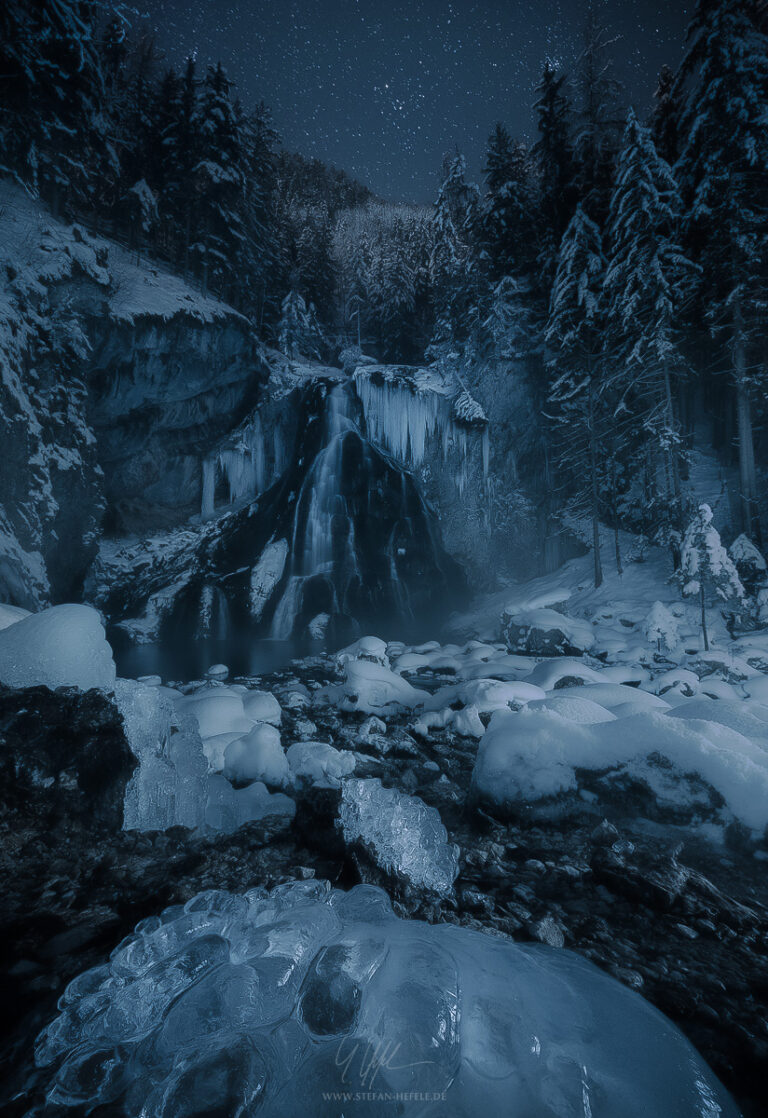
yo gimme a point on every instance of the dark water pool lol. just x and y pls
(191, 659)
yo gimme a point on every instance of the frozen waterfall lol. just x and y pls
(249, 462)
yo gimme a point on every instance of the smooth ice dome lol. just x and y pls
(272, 1003)
(64, 646)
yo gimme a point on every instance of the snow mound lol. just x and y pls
(538, 753)
(9, 615)
(316, 762)
(64, 646)
(404, 837)
(272, 1002)
(370, 688)
(372, 649)
(258, 755)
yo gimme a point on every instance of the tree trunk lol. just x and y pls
(593, 471)
(672, 454)
(747, 473)
(703, 617)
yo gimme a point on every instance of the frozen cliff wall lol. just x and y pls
(110, 374)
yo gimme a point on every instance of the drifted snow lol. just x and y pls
(64, 646)
(370, 688)
(316, 762)
(263, 1002)
(9, 615)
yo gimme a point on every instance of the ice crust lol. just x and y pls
(64, 646)
(404, 836)
(310, 1001)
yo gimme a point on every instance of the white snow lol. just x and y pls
(370, 688)
(63, 646)
(9, 615)
(257, 755)
(316, 762)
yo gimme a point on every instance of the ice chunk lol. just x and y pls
(262, 1003)
(258, 755)
(371, 688)
(315, 762)
(218, 711)
(64, 646)
(404, 836)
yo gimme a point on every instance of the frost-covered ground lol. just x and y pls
(611, 801)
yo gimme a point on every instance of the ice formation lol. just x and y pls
(173, 785)
(316, 762)
(404, 836)
(408, 410)
(257, 755)
(64, 646)
(310, 1001)
(244, 462)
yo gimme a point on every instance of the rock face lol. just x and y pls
(64, 756)
(110, 373)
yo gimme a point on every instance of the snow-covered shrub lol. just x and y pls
(661, 628)
(706, 568)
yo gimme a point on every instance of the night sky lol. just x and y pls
(383, 88)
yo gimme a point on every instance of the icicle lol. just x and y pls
(486, 453)
(401, 420)
(209, 487)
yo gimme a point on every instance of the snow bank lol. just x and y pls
(265, 1002)
(257, 755)
(9, 615)
(64, 646)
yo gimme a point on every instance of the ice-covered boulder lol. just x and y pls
(404, 837)
(371, 688)
(316, 762)
(286, 1003)
(545, 632)
(64, 646)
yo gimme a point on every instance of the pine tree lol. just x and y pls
(661, 628)
(554, 159)
(299, 332)
(452, 265)
(723, 171)
(505, 216)
(647, 282)
(597, 121)
(574, 338)
(665, 118)
(706, 569)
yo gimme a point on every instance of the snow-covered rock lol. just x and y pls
(538, 753)
(371, 688)
(64, 646)
(544, 632)
(265, 1002)
(372, 649)
(316, 762)
(403, 836)
(258, 755)
(262, 706)
(9, 615)
(266, 574)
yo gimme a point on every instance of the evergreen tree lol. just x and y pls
(574, 338)
(453, 275)
(299, 332)
(706, 569)
(505, 220)
(647, 282)
(723, 171)
(597, 121)
(554, 160)
(664, 121)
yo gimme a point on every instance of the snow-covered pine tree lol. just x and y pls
(706, 569)
(453, 275)
(219, 185)
(598, 119)
(51, 127)
(574, 339)
(647, 282)
(723, 171)
(505, 215)
(661, 628)
(299, 333)
(554, 160)
(664, 120)
(749, 562)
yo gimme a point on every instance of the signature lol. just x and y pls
(373, 1058)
